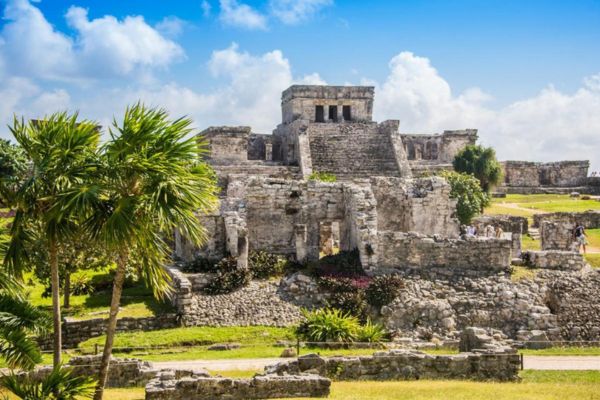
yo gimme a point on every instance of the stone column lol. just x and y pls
(268, 151)
(242, 249)
(301, 245)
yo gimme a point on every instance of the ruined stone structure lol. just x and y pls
(556, 229)
(555, 177)
(383, 204)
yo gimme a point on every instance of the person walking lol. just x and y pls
(579, 235)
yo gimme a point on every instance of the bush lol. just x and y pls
(343, 264)
(229, 277)
(383, 290)
(471, 198)
(353, 303)
(481, 163)
(371, 333)
(199, 265)
(265, 265)
(322, 177)
(81, 285)
(327, 325)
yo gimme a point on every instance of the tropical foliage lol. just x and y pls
(480, 162)
(60, 384)
(327, 325)
(471, 199)
(322, 177)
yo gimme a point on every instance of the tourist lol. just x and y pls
(499, 232)
(471, 231)
(579, 235)
(489, 231)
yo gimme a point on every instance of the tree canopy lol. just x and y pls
(480, 162)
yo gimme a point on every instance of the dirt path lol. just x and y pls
(515, 206)
(530, 362)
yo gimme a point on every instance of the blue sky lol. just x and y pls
(525, 73)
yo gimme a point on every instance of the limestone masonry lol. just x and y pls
(388, 205)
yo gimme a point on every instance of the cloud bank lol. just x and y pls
(107, 63)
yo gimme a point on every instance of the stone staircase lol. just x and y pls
(352, 151)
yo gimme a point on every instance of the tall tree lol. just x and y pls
(62, 153)
(154, 180)
(480, 162)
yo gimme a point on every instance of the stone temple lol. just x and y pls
(389, 207)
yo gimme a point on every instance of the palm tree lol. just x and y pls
(153, 181)
(62, 153)
(19, 321)
(59, 384)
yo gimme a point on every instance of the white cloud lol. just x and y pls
(550, 126)
(206, 7)
(295, 11)
(171, 26)
(241, 15)
(100, 48)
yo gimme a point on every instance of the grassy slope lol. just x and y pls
(136, 302)
(536, 203)
(536, 385)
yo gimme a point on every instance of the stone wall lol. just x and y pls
(512, 226)
(400, 250)
(555, 259)
(408, 365)
(557, 236)
(589, 219)
(78, 331)
(167, 387)
(123, 372)
(415, 205)
(441, 148)
(534, 174)
(260, 147)
(227, 143)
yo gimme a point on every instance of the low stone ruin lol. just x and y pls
(167, 387)
(498, 365)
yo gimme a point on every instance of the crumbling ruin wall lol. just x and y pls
(554, 174)
(260, 147)
(227, 143)
(555, 259)
(482, 365)
(438, 148)
(167, 387)
(589, 219)
(411, 250)
(415, 205)
(511, 225)
(557, 235)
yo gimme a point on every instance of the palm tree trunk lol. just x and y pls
(55, 303)
(67, 290)
(112, 324)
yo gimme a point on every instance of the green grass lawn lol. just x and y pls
(528, 205)
(137, 301)
(535, 385)
(529, 243)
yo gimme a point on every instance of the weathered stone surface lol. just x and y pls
(500, 365)
(165, 387)
(555, 259)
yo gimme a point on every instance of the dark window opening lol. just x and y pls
(346, 113)
(319, 114)
(333, 113)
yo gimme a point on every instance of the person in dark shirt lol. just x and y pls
(579, 235)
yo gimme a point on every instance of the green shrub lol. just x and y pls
(471, 199)
(327, 325)
(228, 278)
(265, 265)
(322, 177)
(480, 162)
(370, 333)
(343, 264)
(353, 303)
(81, 285)
(199, 265)
(383, 290)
